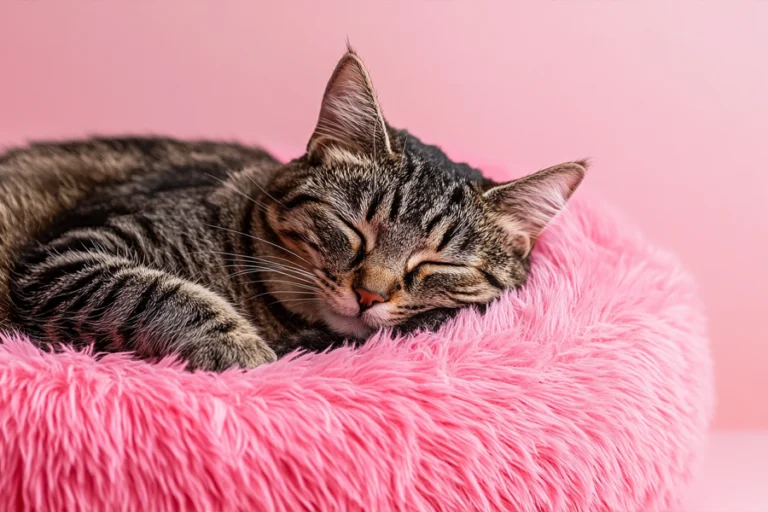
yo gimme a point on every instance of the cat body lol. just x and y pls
(221, 254)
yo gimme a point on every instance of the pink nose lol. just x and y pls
(368, 298)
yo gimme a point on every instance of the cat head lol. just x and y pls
(390, 227)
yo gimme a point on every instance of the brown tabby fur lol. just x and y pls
(219, 253)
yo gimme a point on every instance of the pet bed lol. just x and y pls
(588, 389)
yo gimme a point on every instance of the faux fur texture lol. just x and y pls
(589, 389)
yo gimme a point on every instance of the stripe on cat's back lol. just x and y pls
(89, 216)
(179, 259)
(190, 248)
(130, 239)
(147, 146)
(187, 176)
(90, 241)
(148, 229)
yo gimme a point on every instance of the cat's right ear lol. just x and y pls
(524, 207)
(351, 124)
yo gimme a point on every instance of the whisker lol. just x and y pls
(375, 126)
(254, 270)
(265, 266)
(244, 269)
(263, 259)
(296, 301)
(302, 286)
(260, 240)
(265, 192)
(279, 258)
(281, 292)
(283, 266)
(261, 267)
(232, 188)
(327, 282)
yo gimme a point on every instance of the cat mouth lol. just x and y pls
(360, 325)
(347, 325)
(351, 320)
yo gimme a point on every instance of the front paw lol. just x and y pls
(241, 347)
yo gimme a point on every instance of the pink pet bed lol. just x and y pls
(589, 389)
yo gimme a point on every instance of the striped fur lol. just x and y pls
(221, 254)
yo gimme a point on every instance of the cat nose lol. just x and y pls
(367, 298)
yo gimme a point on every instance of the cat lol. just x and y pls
(226, 257)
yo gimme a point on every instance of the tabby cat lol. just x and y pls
(226, 257)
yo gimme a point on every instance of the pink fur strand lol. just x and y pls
(589, 389)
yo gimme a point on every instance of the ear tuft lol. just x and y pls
(350, 118)
(526, 206)
(349, 47)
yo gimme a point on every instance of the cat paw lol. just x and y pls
(240, 348)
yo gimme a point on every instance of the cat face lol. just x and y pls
(390, 227)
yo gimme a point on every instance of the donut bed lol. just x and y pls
(588, 389)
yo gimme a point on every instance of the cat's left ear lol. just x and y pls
(351, 123)
(525, 207)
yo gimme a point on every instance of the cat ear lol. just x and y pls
(524, 207)
(351, 123)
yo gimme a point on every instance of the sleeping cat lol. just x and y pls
(226, 257)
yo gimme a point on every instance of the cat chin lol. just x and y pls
(347, 325)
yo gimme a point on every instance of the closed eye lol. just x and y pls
(438, 264)
(361, 251)
(446, 265)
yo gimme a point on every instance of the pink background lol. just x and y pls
(669, 98)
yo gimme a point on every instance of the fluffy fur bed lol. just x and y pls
(590, 389)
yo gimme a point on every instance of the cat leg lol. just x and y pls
(124, 306)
